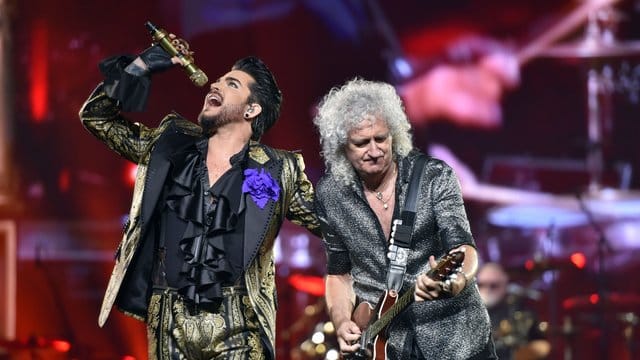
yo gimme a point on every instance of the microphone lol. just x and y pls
(197, 76)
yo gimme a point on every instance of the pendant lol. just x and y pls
(379, 195)
(385, 206)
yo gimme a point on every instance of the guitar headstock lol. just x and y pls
(447, 265)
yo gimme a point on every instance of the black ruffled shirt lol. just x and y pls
(202, 226)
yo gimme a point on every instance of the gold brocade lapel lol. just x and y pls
(171, 142)
(259, 221)
(149, 182)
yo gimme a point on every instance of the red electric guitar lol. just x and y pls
(373, 321)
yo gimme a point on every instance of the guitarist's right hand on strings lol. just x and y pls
(348, 334)
(340, 306)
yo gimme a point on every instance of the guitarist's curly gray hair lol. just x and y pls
(343, 108)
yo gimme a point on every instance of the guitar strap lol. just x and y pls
(400, 241)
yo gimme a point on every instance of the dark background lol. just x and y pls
(71, 193)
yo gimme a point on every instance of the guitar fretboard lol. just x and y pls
(386, 318)
(444, 268)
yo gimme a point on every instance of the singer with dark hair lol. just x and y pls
(196, 258)
(264, 91)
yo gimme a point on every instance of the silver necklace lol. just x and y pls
(380, 196)
(385, 204)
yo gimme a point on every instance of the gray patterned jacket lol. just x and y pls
(453, 328)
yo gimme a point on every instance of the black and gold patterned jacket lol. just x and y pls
(150, 148)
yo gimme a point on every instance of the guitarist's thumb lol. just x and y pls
(427, 288)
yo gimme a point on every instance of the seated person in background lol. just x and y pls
(515, 330)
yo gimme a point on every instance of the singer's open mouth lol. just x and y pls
(214, 99)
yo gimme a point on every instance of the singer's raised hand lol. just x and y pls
(182, 46)
(152, 60)
(156, 59)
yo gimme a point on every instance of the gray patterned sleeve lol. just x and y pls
(451, 216)
(338, 261)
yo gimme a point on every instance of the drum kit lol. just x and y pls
(600, 224)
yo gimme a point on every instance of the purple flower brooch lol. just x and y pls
(261, 186)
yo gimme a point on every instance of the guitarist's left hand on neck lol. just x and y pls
(429, 289)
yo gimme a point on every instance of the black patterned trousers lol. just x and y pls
(177, 331)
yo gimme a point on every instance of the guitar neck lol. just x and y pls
(444, 268)
(384, 320)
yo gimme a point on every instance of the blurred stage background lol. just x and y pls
(64, 195)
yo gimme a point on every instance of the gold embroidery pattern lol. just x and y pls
(134, 141)
(297, 204)
(101, 116)
(232, 331)
(153, 320)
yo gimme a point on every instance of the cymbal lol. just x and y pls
(623, 235)
(611, 194)
(536, 216)
(611, 301)
(613, 203)
(589, 49)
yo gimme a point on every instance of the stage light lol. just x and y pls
(128, 357)
(328, 328)
(594, 298)
(39, 72)
(130, 172)
(309, 284)
(332, 354)
(317, 337)
(308, 347)
(578, 259)
(64, 180)
(320, 349)
(61, 345)
(529, 264)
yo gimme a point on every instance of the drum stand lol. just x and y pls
(603, 246)
(599, 126)
(597, 44)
